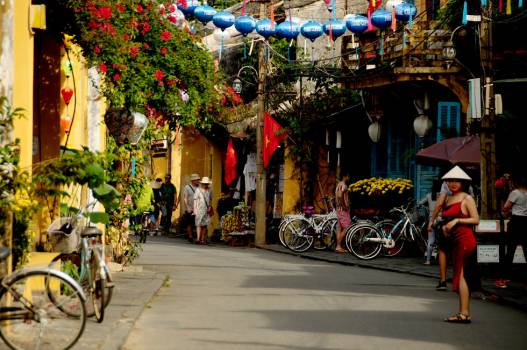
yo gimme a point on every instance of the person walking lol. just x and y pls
(156, 186)
(516, 205)
(461, 214)
(189, 220)
(343, 211)
(203, 209)
(430, 201)
(169, 202)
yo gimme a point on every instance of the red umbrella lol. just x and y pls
(464, 150)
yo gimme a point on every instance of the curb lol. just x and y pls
(117, 337)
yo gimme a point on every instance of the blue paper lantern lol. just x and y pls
(356, 23)
(204, 13)
(223, 20)
(189, 9)
(266, 28)
(337, 27)
(381, 18)
(311, 30)
(245, 24)
(404, 11)
(288, 30)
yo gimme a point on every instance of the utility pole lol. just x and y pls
(488, 121)
(261, 200)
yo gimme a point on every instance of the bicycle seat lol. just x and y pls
(4, 253)
(91, 231)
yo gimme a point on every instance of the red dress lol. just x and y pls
(463, 248)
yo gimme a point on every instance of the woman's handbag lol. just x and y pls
(210, 211)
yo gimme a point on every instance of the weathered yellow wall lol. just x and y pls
(23, 81)
(291, 186)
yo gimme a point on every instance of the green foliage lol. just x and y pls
(16, 191)
(146, 61)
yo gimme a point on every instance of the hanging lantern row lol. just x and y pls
(290, 29)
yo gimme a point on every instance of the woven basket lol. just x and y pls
(63, 242)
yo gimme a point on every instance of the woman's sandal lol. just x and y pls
(458, 318)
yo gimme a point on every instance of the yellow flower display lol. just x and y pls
(381, 186)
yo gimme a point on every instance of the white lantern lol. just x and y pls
(374, 131)
(137, 129)
(391, 4)
(422, 125)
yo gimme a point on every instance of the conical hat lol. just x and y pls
(456, 173)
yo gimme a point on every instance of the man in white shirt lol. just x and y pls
(188, 202)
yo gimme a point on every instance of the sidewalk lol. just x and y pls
(134, 288)
(515, 295)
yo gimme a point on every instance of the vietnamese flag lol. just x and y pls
(271, 140)
(230, 164)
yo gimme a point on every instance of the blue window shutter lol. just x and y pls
(448, 120)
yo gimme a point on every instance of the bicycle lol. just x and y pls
(147, 226)
(367, 244)
(29, 319)
(88, 267)
(317, 230)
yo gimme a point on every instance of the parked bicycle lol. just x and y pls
(40, 308)
(306, 231)
(388, 235)
(87, 265)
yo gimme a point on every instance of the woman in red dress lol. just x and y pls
(461, 213)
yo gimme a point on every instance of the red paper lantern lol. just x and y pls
(67, 94)
(65, 123)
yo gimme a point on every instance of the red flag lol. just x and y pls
(230, 164)
(271, 140)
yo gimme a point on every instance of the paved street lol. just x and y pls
(242, 298)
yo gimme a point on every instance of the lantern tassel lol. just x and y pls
(500, 6)
(244, 50)
(404, 38)
(410, 22)
(520, 4)
(243, 7)
(394, 24)
(380, 45)
(508, 9)
(484, 3)
(370, 26)
(271, 10)
(464, 20)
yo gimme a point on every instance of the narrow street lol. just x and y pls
(243, 298)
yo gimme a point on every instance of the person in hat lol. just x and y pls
(460, 215)
(203, 209)
(156, 186)
(169, 202)
(189, 220)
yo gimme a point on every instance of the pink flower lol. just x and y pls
(121, 8)
(146, 27)
(116, 76)
(166, 35)
(163, 51)
(170, 82)
(139, 8)
(173, 8)
(104, 12)
(134, 50)
(92, 24)
(97, 50)
(146, 46)
(133, 23)
(159, 75)
(103, 68)
(172, 19)
(162, 10)
(126, 37)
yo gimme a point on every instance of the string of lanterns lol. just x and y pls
(291, 28)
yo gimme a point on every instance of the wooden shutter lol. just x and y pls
(448, 120)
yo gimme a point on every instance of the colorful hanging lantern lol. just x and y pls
(311, 30)
(223, 20)
(66, 67)
(265, 28)
(404, 11)
(381, 18)
(336, 27)
(288, 30)
(245, 24)
(356, 23)
(119, 122)
(67, 94)
(388, 5)
(204, 13)
(65, 123)
(191, 5)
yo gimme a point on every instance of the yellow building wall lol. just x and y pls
(291, 186)
(23, 47)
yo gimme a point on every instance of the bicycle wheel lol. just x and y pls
(297, 236)
(386, 226)
(364, 241)
(29, 319)
(419, 240)
(326, 238)
(97, 287)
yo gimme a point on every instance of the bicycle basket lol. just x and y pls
(63, 235)
(418, 214)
